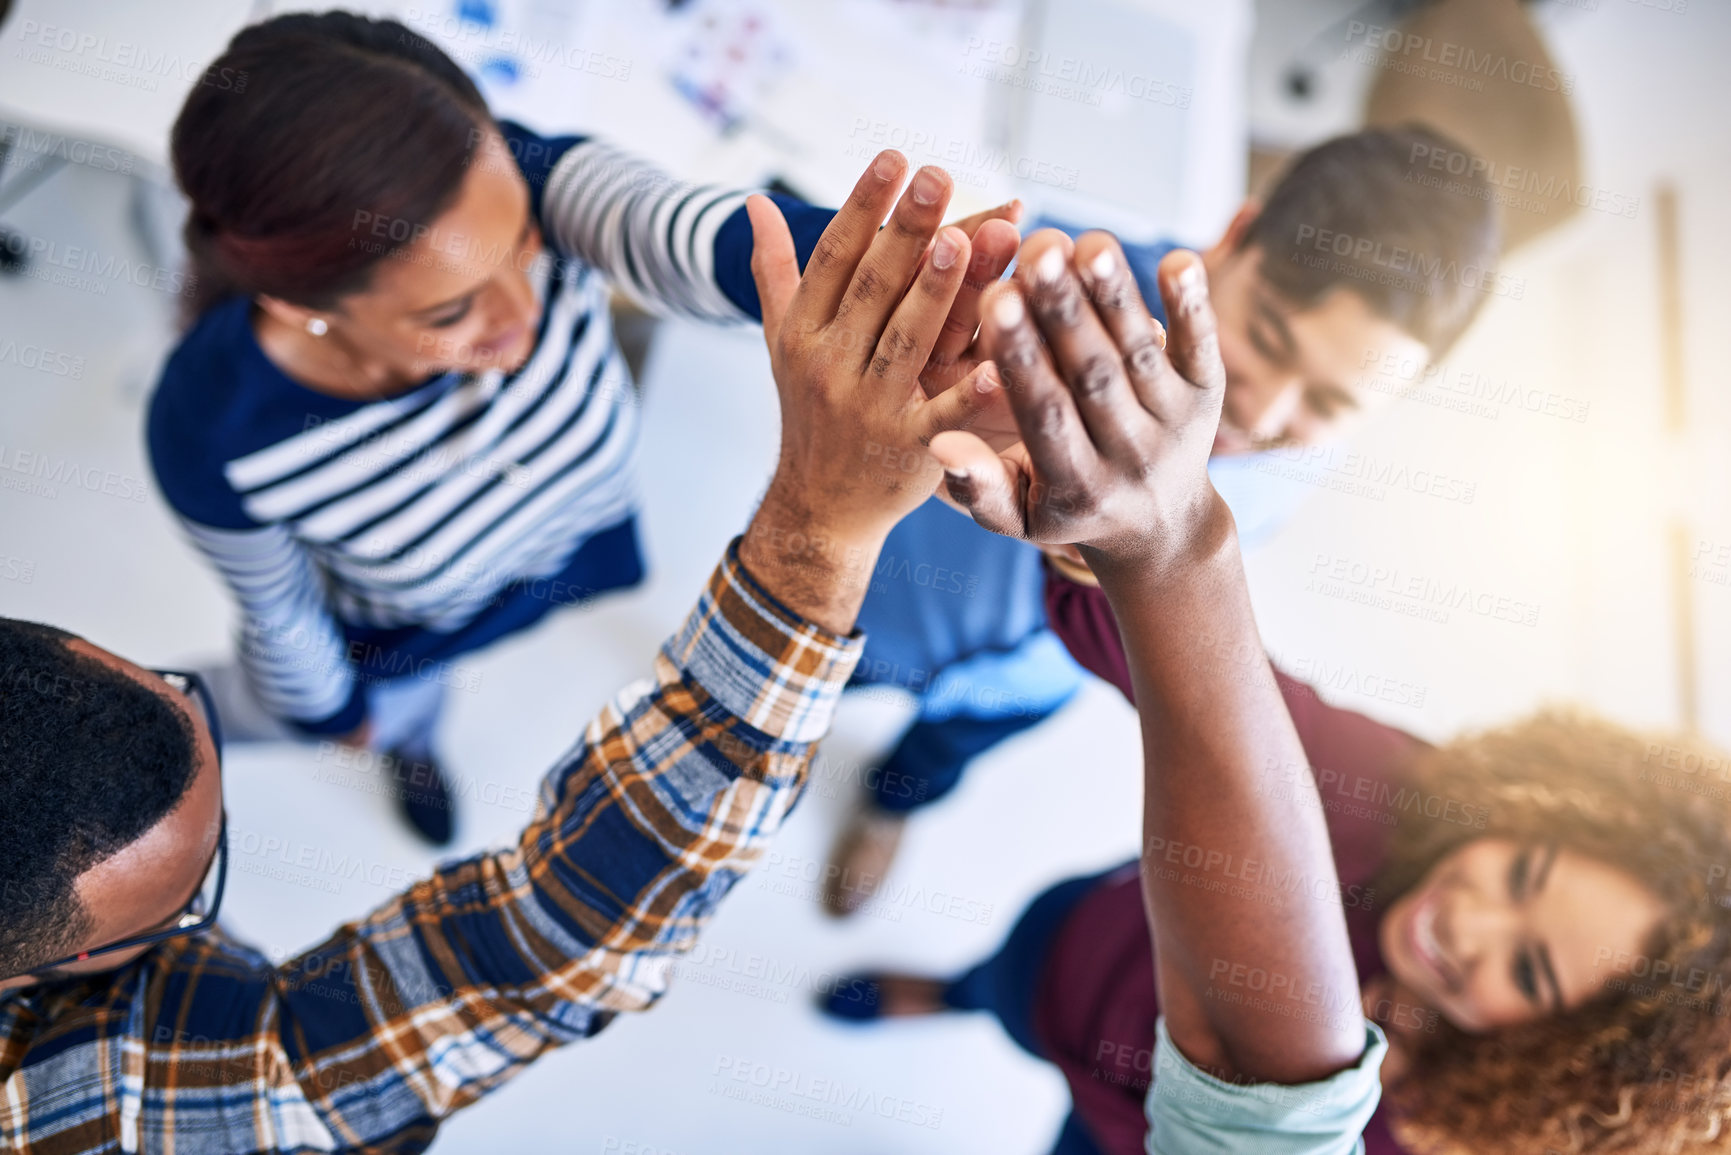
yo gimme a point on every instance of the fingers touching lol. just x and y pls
(1118, 303)
(1103, 404)
(1045, 412)
(1085, 364)
(1194, 344)
(994, 246)
(963, 404)
(893, 257)
(1009, 212)
(918, 318)
(1084, 352)
(989, 486)
(885, 292)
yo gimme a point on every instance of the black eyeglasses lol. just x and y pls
(200, 913)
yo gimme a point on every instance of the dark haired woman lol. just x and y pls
(1538, 915)
(399, 425)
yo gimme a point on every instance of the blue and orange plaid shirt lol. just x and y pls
(368, 1040)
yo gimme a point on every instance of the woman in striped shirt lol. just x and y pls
(400, 426)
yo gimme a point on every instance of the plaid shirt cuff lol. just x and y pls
(761, 661)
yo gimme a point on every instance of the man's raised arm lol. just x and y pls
(672, 791)
(1117, 426)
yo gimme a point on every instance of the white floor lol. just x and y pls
(1570, 517)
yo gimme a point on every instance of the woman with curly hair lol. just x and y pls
(1540, 916)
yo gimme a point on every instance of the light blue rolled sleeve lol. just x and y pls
(1193, 1113)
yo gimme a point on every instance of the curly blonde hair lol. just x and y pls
(1643, 1066)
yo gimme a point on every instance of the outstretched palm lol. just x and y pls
(1115, 428)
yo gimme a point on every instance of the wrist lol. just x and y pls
(818, 563)
(1196, 541)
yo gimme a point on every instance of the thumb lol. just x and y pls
(988, 486)
(774, 262)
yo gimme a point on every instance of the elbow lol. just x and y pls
(1292, 1062)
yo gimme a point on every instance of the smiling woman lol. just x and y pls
(399, 418)
(1539, 915)
(1577, 947)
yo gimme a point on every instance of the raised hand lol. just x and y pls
(1117, 429)
(1116, 423)
(847, 343)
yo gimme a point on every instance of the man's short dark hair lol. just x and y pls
(90, 759)
(1372, 212)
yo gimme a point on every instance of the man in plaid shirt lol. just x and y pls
(128, 1022)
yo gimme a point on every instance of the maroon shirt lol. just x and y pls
(1095, 1005)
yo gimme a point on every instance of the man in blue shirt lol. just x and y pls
(1356, 263)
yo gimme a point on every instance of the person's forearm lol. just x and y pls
(667, 799)
(819, 568)
(1213, 727)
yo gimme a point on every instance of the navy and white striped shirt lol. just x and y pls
(364, 539)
